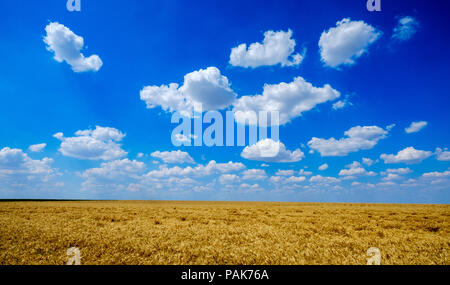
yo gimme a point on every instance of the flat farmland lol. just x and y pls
(178, 232)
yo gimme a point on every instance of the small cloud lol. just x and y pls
(271, 151)
(408, 155)
(177, 156)
(355, 139)
(416, 126)
(406, 27)
(442, 155)
(367, 161)
(323, 167)
(37, 147)
(277, 48)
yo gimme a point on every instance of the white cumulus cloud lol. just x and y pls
(277, 48)
(271, 151)
(367, 161)
(356, 138)
(207, 87)
(37, 147)
(355, 169)
(19, 171)
(442, 155)
(176, 156)
(323, 167)
(346, 42)
(406, 27)
(67, 46)
(99, 144)
(229, 179)
(289, 99)
(117, 174)
(408, 155)
(416, 126)
(288, 172)
(254, 174)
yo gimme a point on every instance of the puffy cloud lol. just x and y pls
(355, 169)
(405, 170)
(67, 47)
(295, 179)
(407, 155)
(339, 104)
(304, 172)
(357, 138)
(254, 174)
(290, 100)
(342, 103)
(442, 155)
(37, 147)
(118, 174)
(392, 176)
(286, 180)
(272, 151)
(415, 127)
(367, 161)
(323, 179)
(205, 86)
(289, 172)
(323, 166)
(198, 171)
(19, 171)
(176, 156)
(436, 174)
(406, 27)
(229, 178)
(277, 48)
(101, 143)
(346, 42)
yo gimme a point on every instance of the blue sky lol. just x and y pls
(364, 93)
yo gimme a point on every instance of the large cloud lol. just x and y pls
(406, 27)
(271, 151)
(357, 138)
(176, 156)
(289, 99)
(67, 47)
(407, 155)
(101, 143)
(205, 86)
(346, 42)
(277, 48)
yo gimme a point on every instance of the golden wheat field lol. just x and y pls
(161, 232)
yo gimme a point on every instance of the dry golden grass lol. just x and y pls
(157, 232)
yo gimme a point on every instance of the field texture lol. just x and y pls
(157, 232)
